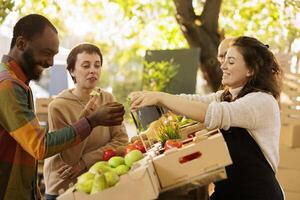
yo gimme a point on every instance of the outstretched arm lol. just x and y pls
(192, 109)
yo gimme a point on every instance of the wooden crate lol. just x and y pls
(195, 159)
(290, 111)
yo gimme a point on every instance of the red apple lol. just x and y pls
(172, 144)
(129, 148)
(108, 153)
(139, 146)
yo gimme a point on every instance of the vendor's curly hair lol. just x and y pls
(267, 75)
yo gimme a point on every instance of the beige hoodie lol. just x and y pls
(64, 110)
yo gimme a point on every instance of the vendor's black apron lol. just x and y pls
(250, 177)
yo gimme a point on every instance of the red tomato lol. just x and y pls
(108, 153)
(139, 146)
(129, 148)
(172, 143)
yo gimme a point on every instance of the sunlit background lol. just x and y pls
(124, 30)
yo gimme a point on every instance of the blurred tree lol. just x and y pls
(275, 22)
(5, 8)
(126, 29)
(157, 75)
(202, 31)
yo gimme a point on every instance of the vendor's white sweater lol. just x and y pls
(257, 112)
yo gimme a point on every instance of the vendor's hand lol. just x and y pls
(71, 172)
(144, 98)
(109, 114)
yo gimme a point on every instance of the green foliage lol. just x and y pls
(5, 8)
(270, 21)
(157, 75)
(151, 24)
(185, 121)
(124, 30)
(169, 131)
(125, 81)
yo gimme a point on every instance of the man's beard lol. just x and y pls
(31, 67)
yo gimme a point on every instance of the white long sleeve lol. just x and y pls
(257, 112)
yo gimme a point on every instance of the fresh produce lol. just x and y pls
(185, 121)
(134, 138)
(102, 163)
(132, 157)
(85, 182)
(120, 150)
(108, 153)
(166, 127)
(111, 178)
(95, 92)
(160, 129)
(152, 130)
(121, 169)
(139, 146)
(129, 148)
(100, 167)
(116, 161)
(169, 131)
(105, 174)
(99, 183)
(172, 144)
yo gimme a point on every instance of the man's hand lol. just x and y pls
(109, 114)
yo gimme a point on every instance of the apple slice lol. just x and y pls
(95, 93)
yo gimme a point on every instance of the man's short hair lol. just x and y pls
(30, 26)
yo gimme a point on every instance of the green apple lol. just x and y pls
(132, 157)
(102, 162)
(121, 169)
(85, 176)
(85, 182)
(85, 186)
(100, 167)
(111, 178)
(99, 183)
(116, 161)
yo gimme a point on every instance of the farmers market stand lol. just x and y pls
(170, 175)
